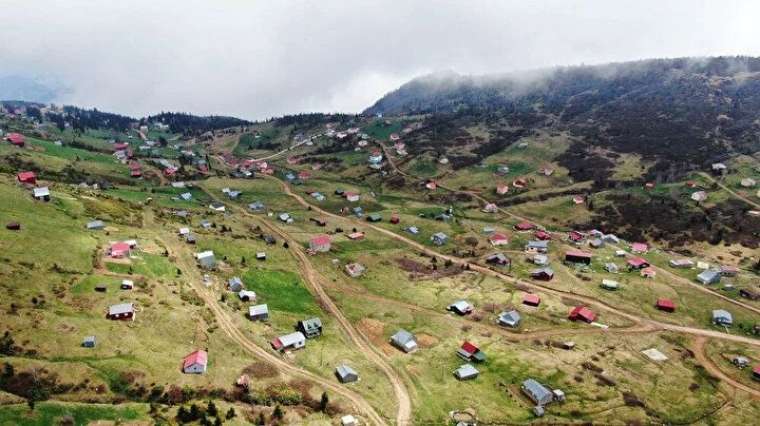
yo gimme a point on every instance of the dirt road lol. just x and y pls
(730, 191)
(698, 347)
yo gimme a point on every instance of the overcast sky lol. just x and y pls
(256, 59)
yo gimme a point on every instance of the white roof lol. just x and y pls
(42, 191)
(184, 231)
(654, 354)
(129, 283)
(204, 254)
(258, 310)
(292, 338)
(247, 293)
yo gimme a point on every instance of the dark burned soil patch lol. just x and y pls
(261, 369)
(421, 270)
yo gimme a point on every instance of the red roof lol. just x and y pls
(524, 226)
(582, 312)
(119, 247)
(637, 262)
(578, 253)
(666, 305)
(134, 165)
(531, 299)
(27, 177)
(121, 145)
(197, 357)
(756, 370)
(543, 235)
(16, 138)
(304, 174)
(321, 240)
(469, 347)
(276, 344)
(497, 237)
(639, 247)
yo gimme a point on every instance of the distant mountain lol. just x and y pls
(21, 88)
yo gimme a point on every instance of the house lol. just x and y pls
(611, 239)
(28, 178)
(498, 259)
(709, 276)
(190, 239)
(186, 196)
(285, 218)
(101, 288)
(439, 238)
(95, 225)
(304, 175)
(374, 217)
(205, 224)
(681, 263)
(470, 352)
(346, 374)
(431, 185)
(756, 373)
(358, 211)
(355, 236)
(699, 196)
(261, 255)
(320, 243)
(348, 420)
(540, 260)
(184, 231)
(460, 307)
(318, 196)
(749, 294)
(16, 139)
(217, 207)
(413, 230)
(596, 243)
(88, 342)
(41, 193)
(466, 372)
(206, 259)
(351, 197)
(258, 312)
(582, 313)
(578, 199)
(498, 239)
(524, 226)
(355, 270)
(639, 247)
(247, 295)
(719, 168)
(543, 274)
(122, 311)
(127, 284)
(195, 363)
(611, 268)
(256, 206)
(578, 256)
(509, 318)
(666, 305)
(395, 218)
(748, 182)
(637, 263)
(537, 246)
(575, 236)
(729, 271)
(538, 393)
(722, 317)
(404, 340)
(610, 284)
(502, 189)
(235, 284)
(318, 221)
(490, 208)
(740, 361)
(311, 327)
(542, 235)
(290, 341)
(531, 299)
(648, 272)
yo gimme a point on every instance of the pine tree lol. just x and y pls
(211, 409)
(230, 413)
(277, 413)
(323, 402)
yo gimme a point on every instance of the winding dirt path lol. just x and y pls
(729, 190)
(698, 347)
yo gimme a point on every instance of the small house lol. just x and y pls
(609, 284)
(524, 226)
(582, 313)
(101, 288)
(542, 235)
(256, 206)
(578, 256)
(666, 305)
(122, 311)
(119, 250)
(351, 197)
(537, 246)
(290, 341)
(639, 248)
(235, 284)
(681, 263)
(96, 225)
(637, 263)
(708, 277)
(42, 193)
(348, 420)
(355, 270)
(16, 139)
(195, 363)
(490, 208)
(206, 259)
(540, 259)
(28, 178)
(722, 317)
(611, 268)
(311, 327)
(537, 392)
(320, 243)
(531, 299)
(509, 319)
(374, 217)
(439, 238)
(466, 372)
(648, 272)
(575, 237)
(261, 255)
(247, 295)
(596, 243)
(471, 353)
(729, 271)
(404, 340)
(460, 307)
(413, 230)
(184, 231)
(127, 284)
(498, 239)
(748, 182)
(88, 342)
(217, 207)
(498, 259)
(258, 312)
(611, 239)
(395, 218)
(285, 218)
(355, 236)
(190, 239)
(543, 274)
(346, 374)
(186, 196)
(740, 361)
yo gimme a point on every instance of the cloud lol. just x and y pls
(258, 59)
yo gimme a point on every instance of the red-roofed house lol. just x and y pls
(575, 236)
(648, 272)
(195, 363)
(543, 235)
(120, 146)
(395, 218)
(531, 299)
(666, 305)
(637, 263)
(356, 236)
(502, 189)
(16, 139)
(498, 239)
(578, 199)
(639, 247)
(520, 183)
(524, 226)
(431, 185)
(118, 250)
(582, 313)
(304, 175)
(756, 373)
(135, 173)
(470, 352)
(351, 197)
(27, 177)
(320, 243)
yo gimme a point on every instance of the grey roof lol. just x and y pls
(440, 236)
(461, 306)
(235, 283)
(344, 371)
(121, 308)
(42, 191)
(257, 310)
(404, 339)
(312, 323)
(537, 392)
(722, 316)
(511, 318)
(466, 371)
(292, 338)
(88, 339)
(538, 244)
(709, 276)
(95, 224)
(547, 270)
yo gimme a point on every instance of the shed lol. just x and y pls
(41, 193)
(537, 392)
(258, 312)
(582, 313)
(311, 327)
(708, 277)
(95, 225)
(348, 420)
(195, 363)
(122, 311)
(466, 372)
(404, 340)
(510, 318)
(346, 374)
(374, 217)
(127, 284)
(637, 263)
(27, 178)
(461, 307)
(722, 317)
(543, 274)
(611, 268)
(289, 341)
(88, 342)
(666, 305)
(498, 239)
(610, 284)
(355, 270)
(206, 259)
(531, 299)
